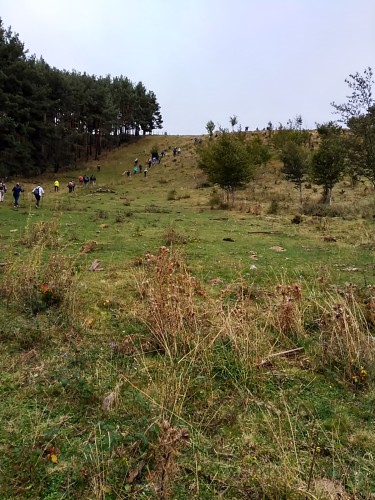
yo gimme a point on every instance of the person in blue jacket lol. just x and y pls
(17, 190)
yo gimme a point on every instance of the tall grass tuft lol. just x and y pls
(42, 282)
(345, 340)
(175, 311)
(46, 233)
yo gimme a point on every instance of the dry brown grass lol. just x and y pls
(43, 281)
(175, 301)
(345, 340)
(46, 233)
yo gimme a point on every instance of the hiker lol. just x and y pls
(3, 190)
(149, 161)
(98, 167)
(135, 170)
(140, 168)
(56, 185)
(162, 153)
(145, 172)
(80, 179)
(38, 192)
(86, 180)
(128, 173)
(136, 162)
(71, 186)
(174, 152)
(178, 151)
(93, 179)
(17, 190)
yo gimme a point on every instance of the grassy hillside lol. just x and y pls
(154, 345)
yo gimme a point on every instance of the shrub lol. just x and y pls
(203, 185)
(274, 207)
(43, 233)
(345, 341)
(215, 200)
(174, 310)
(172, 195)
(154, 151)
(171, 237)
(41, 283)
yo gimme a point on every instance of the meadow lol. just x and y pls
(157, 344)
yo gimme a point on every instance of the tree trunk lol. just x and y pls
(328, 196)
(300, 198)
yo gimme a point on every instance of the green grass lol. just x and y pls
(255, 431)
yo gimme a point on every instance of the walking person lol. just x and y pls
(17, 190)
(56, 186)
(93, 179)
(3, 190)
(38, 192)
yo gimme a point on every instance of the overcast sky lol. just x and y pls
(262, 60)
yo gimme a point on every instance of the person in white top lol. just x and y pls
(3, 190)
(38, 192)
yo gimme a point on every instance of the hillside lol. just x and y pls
(154, 345)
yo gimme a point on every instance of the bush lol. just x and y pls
(322, 210)
(43, 233)
(172, 195)
(274, 207)
(171, 237)
(38, 284)
(154, 151)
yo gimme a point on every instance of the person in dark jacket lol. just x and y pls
(17, 190)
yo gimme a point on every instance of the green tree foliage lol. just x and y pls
(328, 162)
(233, 121)
(227, 162)
(361, 145)
(53, 118)
(292, 132)
(295, 165)
(260, 152)
(292, 143)
(210, 127)
(358, 114)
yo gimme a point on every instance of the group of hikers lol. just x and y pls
(152, 160)
(38, 192)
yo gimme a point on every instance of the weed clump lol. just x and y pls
(46, 233)
(287, 315)
(175, 313)
(40, 283)
(345, 341)
(171, 237)
(172, 195)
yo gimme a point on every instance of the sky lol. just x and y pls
(261, 60)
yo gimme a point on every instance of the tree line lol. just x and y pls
(52, 118)
(342, 147)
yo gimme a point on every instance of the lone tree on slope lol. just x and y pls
(227, 162)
